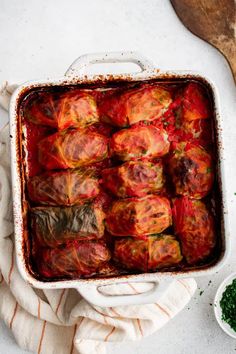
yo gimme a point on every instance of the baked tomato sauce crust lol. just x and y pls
(138, 157)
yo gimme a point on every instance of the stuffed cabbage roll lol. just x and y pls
(191, 168)
(153, 252)
(75, 259)
(195, 102)
(199, 130)
(139, 216)
(61, 110)
(139, 142)
(134, 178)
(164, 251)
(180, 129)
(194, 226)
(131, 253)
(188, 125)
(71, 149)
(63, 187)
(54, 226)
(142, 104)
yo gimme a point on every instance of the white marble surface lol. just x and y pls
(40, 39)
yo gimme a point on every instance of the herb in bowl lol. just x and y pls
(228, 305)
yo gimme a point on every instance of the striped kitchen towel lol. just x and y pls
(60, 321)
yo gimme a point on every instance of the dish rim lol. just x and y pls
(81, 78)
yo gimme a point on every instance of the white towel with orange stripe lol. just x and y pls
(60, 321)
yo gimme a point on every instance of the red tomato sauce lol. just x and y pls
(34, 134)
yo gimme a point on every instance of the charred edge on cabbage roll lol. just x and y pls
(191, 168)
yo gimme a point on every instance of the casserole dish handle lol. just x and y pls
(92, 294)
(79, 66)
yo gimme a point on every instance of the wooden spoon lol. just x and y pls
(212, 20)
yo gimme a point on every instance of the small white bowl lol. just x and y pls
(218, 312)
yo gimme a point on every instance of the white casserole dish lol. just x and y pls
(89, 288)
